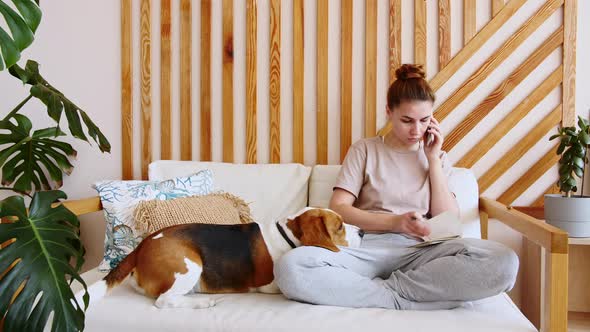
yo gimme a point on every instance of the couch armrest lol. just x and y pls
(555, 242)
(83, 206)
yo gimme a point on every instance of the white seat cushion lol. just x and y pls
(271, 190)
(125, 310)
(462, 182)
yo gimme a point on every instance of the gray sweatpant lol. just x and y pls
(385, 273)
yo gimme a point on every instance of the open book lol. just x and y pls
(446, 226)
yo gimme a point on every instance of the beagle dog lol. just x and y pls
(204, 258)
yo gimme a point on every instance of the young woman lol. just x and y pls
(385, 186)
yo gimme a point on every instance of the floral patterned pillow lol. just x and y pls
(119, 199)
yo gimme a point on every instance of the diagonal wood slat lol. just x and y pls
(322, 84)
(444, 33)
(484, 145)
(346, 80)
(298, 71)
(275, 81)
(251, 86)
(205, 80)
(146, 86)
(512, 156)
(186, 135)
(420, 33)
(469, 12)
(569, 63)
(165, 85)
(528, 178)
(497, 6)
(228, 87)
(476, 43)
(126, 92)
(503, 90)
(370, 68)
(540, 201)
(395, 37)
(497, 58)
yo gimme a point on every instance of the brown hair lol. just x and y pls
(410, 84)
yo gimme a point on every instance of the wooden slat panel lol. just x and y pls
(298, 46)
(126, 92)
(469, 14)
(346, 80)
(205, 80)
(497, 58)
(185, 81)
(371, 68)
(420, 32)
(228, 78)
(251, 86)
(476, 43)
(395, 37)
(444, 33)
(540, 201)
(146, 86)
(205, 92)
(569, 63)
(484, 145)
(275, 81)
(528, 178)
(497, 5)
(322, 83)
(165, 86)
(503, 90)
(512, 156)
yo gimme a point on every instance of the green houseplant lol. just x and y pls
(40, 249)
(567, 211)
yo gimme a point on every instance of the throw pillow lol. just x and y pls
(120, 198)
(217, 208)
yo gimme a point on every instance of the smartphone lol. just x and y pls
(428, 138)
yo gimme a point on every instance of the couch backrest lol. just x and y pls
(272, 190)
(462, 182)
(279, 190)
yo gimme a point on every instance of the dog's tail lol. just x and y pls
(122, 271)
(117, 275)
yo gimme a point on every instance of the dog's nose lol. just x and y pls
(361, 233)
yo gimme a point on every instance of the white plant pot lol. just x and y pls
(572, 214)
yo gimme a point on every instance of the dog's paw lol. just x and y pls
(183, 301)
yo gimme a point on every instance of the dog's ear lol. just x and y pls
(311, 231)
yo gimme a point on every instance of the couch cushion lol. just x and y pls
(271, 190)
(124, 309)
(462, 182)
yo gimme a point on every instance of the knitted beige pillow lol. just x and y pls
(216, 208)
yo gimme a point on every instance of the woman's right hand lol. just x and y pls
(411, 223)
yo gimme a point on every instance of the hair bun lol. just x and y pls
(408, 71)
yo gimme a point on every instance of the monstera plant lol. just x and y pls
(40, 249)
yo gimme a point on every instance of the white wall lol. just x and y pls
(78, 47)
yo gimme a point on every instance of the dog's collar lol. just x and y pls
(284, 235)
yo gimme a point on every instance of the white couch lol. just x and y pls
(276, 190)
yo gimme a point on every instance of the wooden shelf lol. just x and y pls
(539, 213)
(581, 241)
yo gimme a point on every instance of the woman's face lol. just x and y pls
(409, 120)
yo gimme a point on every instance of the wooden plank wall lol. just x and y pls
(294, 128)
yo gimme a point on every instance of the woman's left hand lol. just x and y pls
(433, 150)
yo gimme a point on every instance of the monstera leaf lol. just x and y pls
(22, 26)
(35, 270)
(26, 158)
(57, 104)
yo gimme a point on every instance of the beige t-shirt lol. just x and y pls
(385, 180)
